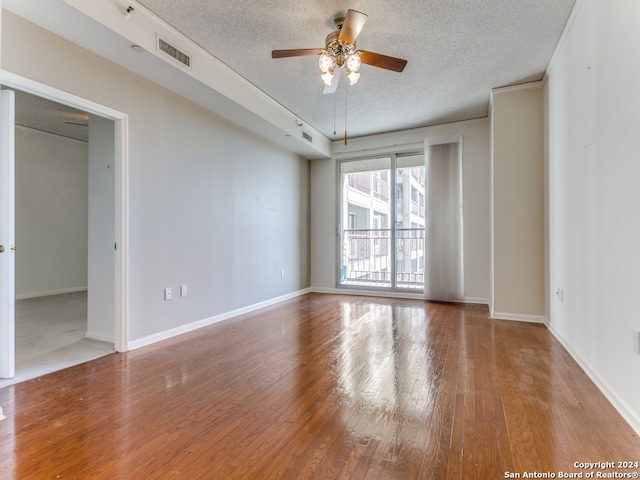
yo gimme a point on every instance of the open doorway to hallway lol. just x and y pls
(65, 222)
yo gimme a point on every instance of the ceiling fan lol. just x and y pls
(340, 53)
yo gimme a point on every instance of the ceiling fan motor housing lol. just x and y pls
(338, 49)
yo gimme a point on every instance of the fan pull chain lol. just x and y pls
(334, 115)
(345, 116)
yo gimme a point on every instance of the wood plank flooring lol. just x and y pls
(322, 387)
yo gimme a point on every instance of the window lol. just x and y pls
(386, 250)
(353, 221)
(379, 220)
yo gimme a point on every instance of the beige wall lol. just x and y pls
(101, 271)
(594, 195)
(517, 224)
(211, 205)
(51, 213)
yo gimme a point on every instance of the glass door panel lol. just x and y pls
(367, 219)
(410, 222)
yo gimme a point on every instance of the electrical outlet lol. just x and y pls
(636, 342)
(183, 290)
(560, 294)
(167, 293)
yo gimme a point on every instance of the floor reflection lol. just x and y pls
(321, 386)
(383, 368)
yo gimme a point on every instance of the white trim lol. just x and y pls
(121, 330)
(397, 142)
(121, 121)
(51, 292)
(174, 332)
(628, 413)
(7, 235)
(519, 317)
(563, 37)
(443, 140)
(492, 254)
(10, 79)
(538, 84)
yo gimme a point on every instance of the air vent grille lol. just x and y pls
(172, 51)
(307, 137)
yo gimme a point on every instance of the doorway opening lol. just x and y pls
(70, 206)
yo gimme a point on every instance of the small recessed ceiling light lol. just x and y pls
(137, 48)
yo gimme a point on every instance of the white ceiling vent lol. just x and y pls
(307, 137)
(174, 52)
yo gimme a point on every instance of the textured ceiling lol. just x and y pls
(47, 116)
(457, 51)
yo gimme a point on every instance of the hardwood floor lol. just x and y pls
(321, 386)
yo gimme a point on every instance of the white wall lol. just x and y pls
(51, 214)
(517, 164)
(101, 279)
(476, 198)
(210, 205)
(594, 172)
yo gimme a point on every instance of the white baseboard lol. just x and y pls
(157, 337)
(628, 413)
(51, 292)
(476, 300)
(519, 317)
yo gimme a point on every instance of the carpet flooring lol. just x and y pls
(50, 336)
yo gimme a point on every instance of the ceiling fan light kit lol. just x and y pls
(340, 52)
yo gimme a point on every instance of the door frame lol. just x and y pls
(7, 207)
(393, 289)
(121, 121)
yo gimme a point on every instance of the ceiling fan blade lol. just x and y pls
(297, 52)
(334, 82)
(382, 61)
(353, 23)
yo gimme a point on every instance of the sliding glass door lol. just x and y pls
(410, 222)
(382, 227)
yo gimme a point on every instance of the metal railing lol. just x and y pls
(366, 257)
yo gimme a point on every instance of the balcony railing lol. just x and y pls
(367, 259)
